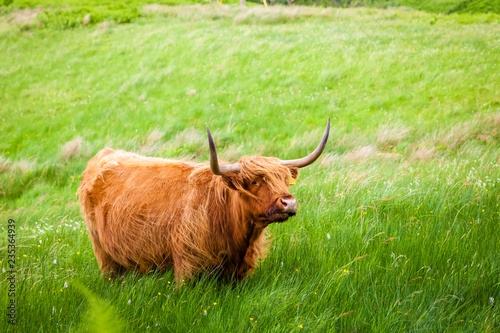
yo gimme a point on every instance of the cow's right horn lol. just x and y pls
(305, 161)
(214, 162)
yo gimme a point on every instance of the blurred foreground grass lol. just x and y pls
(398, 224)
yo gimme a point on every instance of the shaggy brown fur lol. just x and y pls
(150, 213)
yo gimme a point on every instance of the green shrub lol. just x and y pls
(478, 6)
(5, 2)
(73, 17)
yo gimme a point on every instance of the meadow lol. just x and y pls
(398, 223)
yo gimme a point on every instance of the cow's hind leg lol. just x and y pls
(106, 263)
(179, 269)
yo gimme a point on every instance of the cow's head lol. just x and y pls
(263, 182)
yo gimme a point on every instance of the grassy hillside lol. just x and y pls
(434, 6)
(71, 13)
(398, 223)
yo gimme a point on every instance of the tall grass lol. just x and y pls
(398, 224)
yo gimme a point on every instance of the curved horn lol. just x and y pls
(305, 161)
(214, 162)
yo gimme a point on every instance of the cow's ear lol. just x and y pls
(233, 181)
(294, 172)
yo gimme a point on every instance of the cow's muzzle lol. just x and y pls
(288, 205)
(283, 208)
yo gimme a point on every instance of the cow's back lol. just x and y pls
(133, 206)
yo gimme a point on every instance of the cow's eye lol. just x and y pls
(253, 183)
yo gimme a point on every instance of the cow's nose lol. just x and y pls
(289, 205)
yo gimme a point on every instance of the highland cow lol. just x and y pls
(148, 214)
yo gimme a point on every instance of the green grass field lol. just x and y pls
(398, 223)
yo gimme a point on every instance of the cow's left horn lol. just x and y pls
(214, 162)
(305, 161)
